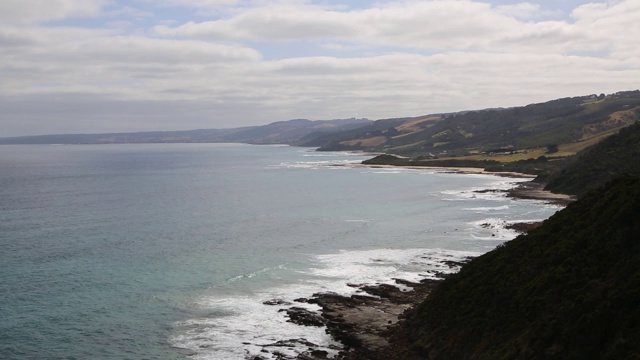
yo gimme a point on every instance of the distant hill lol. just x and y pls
(566, 125)
(562, 121)
(569, 289)
(616, 155)
(283, 132)
(373, 136)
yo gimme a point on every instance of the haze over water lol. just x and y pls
(164, 251)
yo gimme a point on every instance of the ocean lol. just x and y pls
(168, 251)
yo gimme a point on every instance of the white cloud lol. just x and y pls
(34, 11)
(523, 10)
(445, 24)
(445, 56)
(614, 26)
(276, 22)
(194, 3)
(68, 61)
(528, 11)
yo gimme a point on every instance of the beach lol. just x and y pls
(205, 251)
(530, 190)
(369, 323)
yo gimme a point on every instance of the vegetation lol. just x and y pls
(541, 166)
(601, 156)
(594, 166)
(567, 290)
(547, 125)
(386, 159)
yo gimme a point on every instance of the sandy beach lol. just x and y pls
(527, 190)
(369, 323)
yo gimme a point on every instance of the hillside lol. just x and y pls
(284, 132)
(493, 131)
(616, 155)
(558, 128)
(373, 135)
(569, 289)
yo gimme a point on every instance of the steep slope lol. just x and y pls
(616, 155)
(568, 290)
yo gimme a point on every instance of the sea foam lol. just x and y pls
(242, 326)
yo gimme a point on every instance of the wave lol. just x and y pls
(334, 164)
(241, 326)
(254, 273)
(493, 229)
(494, 191)
(482, 209)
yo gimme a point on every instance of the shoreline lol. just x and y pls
(528, 190)
(531, 190)
(368, 324)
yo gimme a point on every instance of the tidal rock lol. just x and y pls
(302, 316)
(273, 302)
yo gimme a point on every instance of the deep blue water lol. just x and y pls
(166, 251)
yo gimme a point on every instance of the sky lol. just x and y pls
(93, 66)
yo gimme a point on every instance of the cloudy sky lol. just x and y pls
(87, 66)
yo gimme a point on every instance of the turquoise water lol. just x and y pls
(166, 251)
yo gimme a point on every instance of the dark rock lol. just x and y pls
(291, 343)
(406, 282)
(320, 354)
(524, 227)
(302, 316)
(485, 191)
(276, 302)
(386, 291)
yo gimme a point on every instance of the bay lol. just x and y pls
(167, 251)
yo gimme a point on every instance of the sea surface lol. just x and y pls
(168, 251)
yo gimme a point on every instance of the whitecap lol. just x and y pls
(314, 165)
(492, 229)
(483, 209)
(241, 326)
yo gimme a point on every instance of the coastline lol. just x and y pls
(369, 323)
(532, 190)
(528, 190)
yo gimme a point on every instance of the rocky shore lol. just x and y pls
(535, 191)
(366, 323)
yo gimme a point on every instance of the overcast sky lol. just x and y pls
(88, 66)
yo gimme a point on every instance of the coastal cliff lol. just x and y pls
(569, 289)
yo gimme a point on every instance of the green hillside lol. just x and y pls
(594, 166)
(568, 290)
(552, 123)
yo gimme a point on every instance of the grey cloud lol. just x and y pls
(66, 79)
(81, 113)
(28, 12)
(445, 25)
(14, 38)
